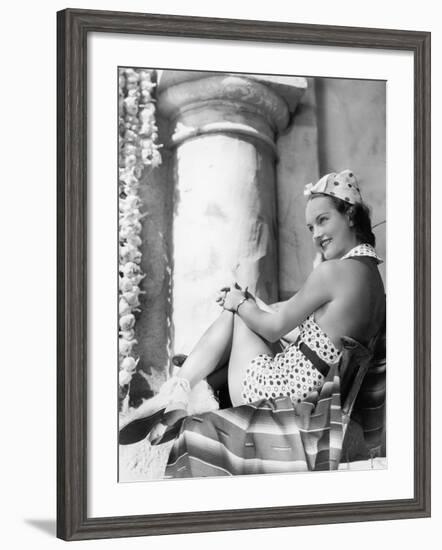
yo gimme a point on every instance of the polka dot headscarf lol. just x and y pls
(343, 186)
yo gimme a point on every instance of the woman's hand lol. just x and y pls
(229, 297)
(222, 293)
(233, 299)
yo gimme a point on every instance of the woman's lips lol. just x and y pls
(325, 243)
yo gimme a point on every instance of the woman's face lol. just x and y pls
(331, 230)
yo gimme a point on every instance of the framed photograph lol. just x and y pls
(219, 365)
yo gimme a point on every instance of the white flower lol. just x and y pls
(129, 203)
(130, 216)
(127, 322)
(127, 176)
(129, 364)
(130, 253)
(126, 284)
(127, 334)
(125, 346)
(130, 269)
(131, 105)
(132, 76)
(128, 227)
(132, 297)
(147, 113)
(124, 377)
(130, 161)
(134, 240)
(130, 135)
(129, 149)
(123, 307)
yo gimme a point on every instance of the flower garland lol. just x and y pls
(138, 148)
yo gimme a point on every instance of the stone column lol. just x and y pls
(223, 129)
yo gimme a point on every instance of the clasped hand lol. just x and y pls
(229, 297)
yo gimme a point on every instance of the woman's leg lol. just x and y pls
(228, 335)
(246, 345)
(211, 350)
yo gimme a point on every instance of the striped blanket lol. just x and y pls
(267, 436)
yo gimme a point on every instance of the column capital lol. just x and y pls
(253, 106)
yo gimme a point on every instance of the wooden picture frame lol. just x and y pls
(73, 27)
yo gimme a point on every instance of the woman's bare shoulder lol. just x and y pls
(343, 272)
(327, 269)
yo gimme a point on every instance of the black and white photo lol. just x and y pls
(246, 346)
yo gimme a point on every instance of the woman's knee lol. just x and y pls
(243, 335)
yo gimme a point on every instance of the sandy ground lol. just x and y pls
(142, 462)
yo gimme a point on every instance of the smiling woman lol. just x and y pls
(329, 228)
(340, 195)
(339, 300)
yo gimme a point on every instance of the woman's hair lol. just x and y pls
(358, 213)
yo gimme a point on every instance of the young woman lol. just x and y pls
(342, 297)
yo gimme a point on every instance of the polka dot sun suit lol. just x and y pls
(290, 372)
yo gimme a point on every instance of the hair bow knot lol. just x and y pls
(343, 186)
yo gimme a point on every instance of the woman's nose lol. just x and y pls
(316, 233)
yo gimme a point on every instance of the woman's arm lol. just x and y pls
(317, 291)
(270, 308)
(287, 338)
